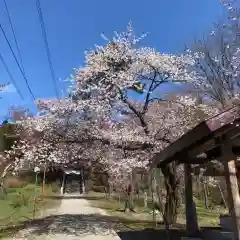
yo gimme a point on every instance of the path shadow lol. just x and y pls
(95, 224)
(74, 197)
(152, 234)
(74, 224)
(174, 234)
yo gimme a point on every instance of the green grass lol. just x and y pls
(18, 205)
(206, 217)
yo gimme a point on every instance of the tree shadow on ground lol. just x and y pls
(95, 224)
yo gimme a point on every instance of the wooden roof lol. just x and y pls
(201, 139)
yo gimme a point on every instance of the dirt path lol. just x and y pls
(73, 219)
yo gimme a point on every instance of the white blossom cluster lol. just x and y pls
(84, 128)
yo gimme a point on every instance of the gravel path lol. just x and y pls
(74, 219)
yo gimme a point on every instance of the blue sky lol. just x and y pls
(76, 25)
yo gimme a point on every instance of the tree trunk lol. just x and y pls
(44, 181)
(207, 188)
(205, 195)
(129, 204)
(2, 191)
(222, 195)
(2, 178)
(106, 192)
(198, 187)
(110, 190)
(172, 200)
(145, 199)
(153, 187)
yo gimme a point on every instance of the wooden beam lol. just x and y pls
(190, 207)
(206, 146)
(203, 132)
(229, 160)
(211, 169)
(187, 140)
(196, 160)
(214, 153)
(212, 145)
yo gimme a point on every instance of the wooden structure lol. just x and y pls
(217, 138)
(79, 173)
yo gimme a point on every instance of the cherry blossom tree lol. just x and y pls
(216, 59)
(100, 121)
(216, 67)
(111, 70)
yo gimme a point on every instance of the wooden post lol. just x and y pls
(205, 193)
(36, 179)
(232, 186)
(145, 199)
(222, 196)
(190, 207)
(63, 183)
(82, 181)
(34, 207)
(44, 180)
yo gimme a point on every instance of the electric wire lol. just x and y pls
(11, 76)
(14, 35)
(23, 74)
(44, 35)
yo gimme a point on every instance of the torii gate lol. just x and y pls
(66, 172)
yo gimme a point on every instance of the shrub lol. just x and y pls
(55, 187)
(13, 182)
(100, 189)
(19, 200)
(27, 176)
(2, 193)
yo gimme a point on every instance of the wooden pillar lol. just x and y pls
(63, 183)
(229, 159)
(82, 181)
(190, 207)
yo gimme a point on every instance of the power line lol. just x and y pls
(14, 36)
(11, 76)
(44, 34)
(23, 74)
